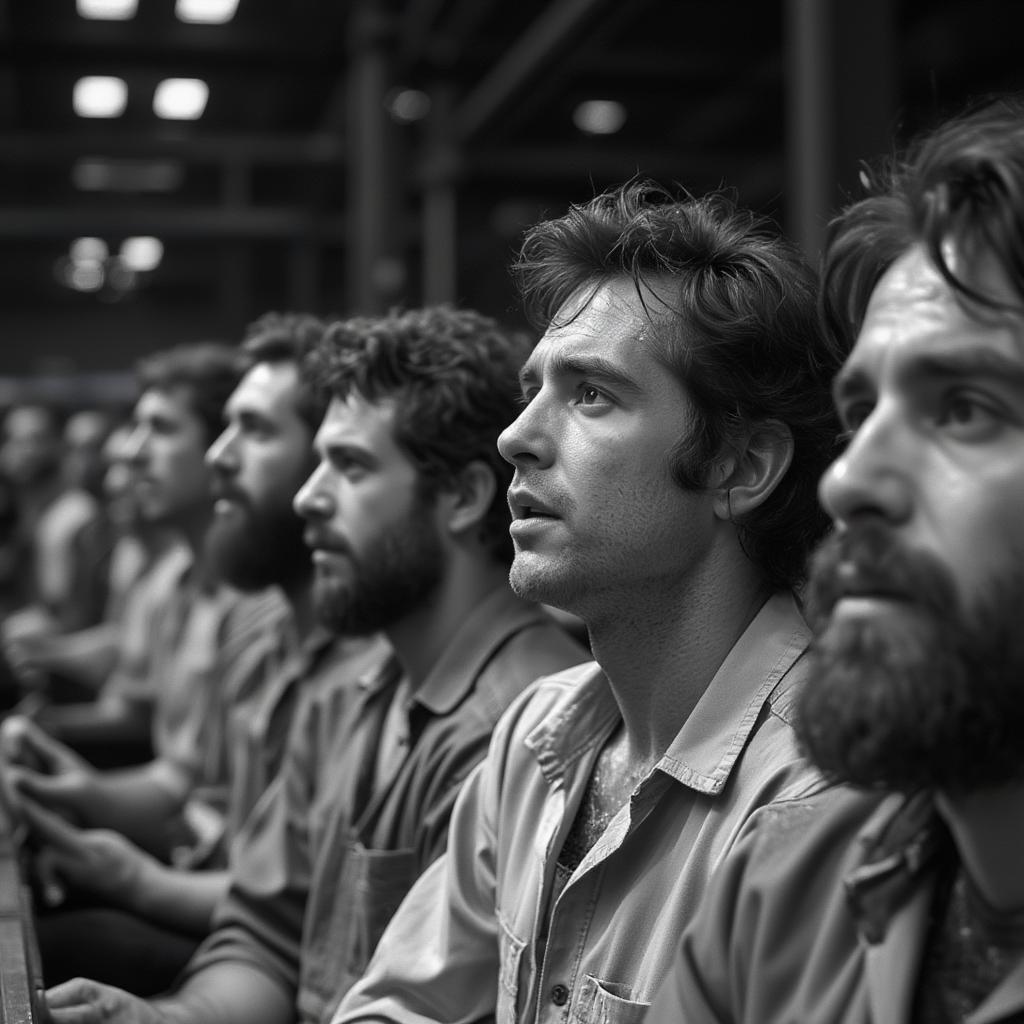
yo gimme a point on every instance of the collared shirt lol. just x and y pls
(330, 850)
(821, 915)
(465, 944)
(140, 655)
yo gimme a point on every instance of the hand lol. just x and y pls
(98, 861)
(88, 1002)
(40, 768)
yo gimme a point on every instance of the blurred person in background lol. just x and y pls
(255, 541)
(61, 519)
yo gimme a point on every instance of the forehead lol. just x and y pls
(355, 421)
(613, 320)
(165, 403)
(268, 388)
(914, 316)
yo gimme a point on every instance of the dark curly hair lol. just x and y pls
(207, 371)
(286, 338)
(740, 334)
(964, 182)
(453, 376)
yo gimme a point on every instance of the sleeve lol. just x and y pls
(702, 986)
(260, 921)
(438, 959)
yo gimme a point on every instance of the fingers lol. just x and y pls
(51, 827)
(49, 883)
(81, 1001)
(23, 742)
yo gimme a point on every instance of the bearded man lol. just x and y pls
(900, 897)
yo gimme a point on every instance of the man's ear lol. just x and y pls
(745, 477)
(465, 502)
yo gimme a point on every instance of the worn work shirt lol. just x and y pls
(466, 943)
(821, 916)
(331, 850)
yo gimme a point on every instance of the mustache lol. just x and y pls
(867, 558)
(325, 540)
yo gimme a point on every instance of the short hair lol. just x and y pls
(962, 181)
(207, 371)
(453, 376)
(741, 336)
(289, 338)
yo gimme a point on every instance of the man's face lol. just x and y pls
(31, 445)
(917, 598)
(258, 464)
(595, 512)
(166, 449)
(378, 553)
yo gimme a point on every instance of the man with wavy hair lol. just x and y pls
(676, 419)
(901, 897)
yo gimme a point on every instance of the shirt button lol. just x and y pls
(559, 995)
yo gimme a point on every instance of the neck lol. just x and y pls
(661, 648)
(988, 829)
(421, 638)
(192, 528)
(299, 595)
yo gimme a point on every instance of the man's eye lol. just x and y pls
(967, 417)
(854, 415)
(587, 394)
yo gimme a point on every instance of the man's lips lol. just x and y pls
(524, 505)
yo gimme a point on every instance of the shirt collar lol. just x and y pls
(711, 740)
(901, 842)
(499, 616)
(706, 748)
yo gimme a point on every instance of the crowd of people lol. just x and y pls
(661, 668)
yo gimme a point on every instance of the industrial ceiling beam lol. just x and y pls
(539, 44)
(195, 222)
(282, 150)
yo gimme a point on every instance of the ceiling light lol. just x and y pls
(107, 10)
(599, 117)
(85, 275)
(100, 96)
(205, 12)
(142, 253)
(88, 249)
(180, 99)
(408, 105)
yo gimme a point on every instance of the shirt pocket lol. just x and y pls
(605, 1002)
(510, 949)
(351, 911)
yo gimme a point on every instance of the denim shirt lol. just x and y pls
(465, 943)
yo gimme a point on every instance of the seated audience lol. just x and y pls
(60, 518)
(408, 524)
(189, 630)
(900, 897)
(255, 541)
(676, 419)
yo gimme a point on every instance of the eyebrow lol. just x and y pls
(978, 362)
(595, 368)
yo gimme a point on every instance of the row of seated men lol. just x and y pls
(758, 797)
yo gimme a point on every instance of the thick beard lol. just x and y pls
(260, 549)
(393, 577)
(931, 696)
